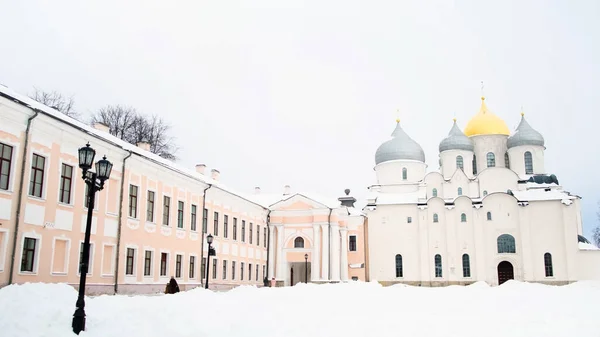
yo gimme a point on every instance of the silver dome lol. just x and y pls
(456, 140)
(525, 135)
(401, 146)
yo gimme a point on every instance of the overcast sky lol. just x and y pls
(303, 92)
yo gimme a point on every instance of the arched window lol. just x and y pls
(489, 216)
(438, 265)
(474, 165)
(506, 244)
(506, 160)
(491, 160)
(404, 173)
(399, 272)
(548, 265)
(460, 191)
(484, 193)
(463, 217)
(459, 162)
(435, 217)
(298, 242)
(466, 265)
(528, 163)
(434, 192)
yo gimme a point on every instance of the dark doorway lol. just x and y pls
(505, 272)
(298, 272)
(292, 276)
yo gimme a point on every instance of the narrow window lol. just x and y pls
(225, 225)
(224, 269)
(263, 273)
(66, 177)
(180, 207)
(150, 207)
(193, 218)
(459, 162)
(265, 238)
(178, 261)
(130, 261)
(257, 235)
(548, 265)
(506, 244)
(404, 173)
(474, 165)
(409, 219)
(147, 262)
(233, 270)
(250, 234)
(204, 220)
(192, 267)
(249, 271)
(166, 208)
(163, 264)
(234, 229)
(463, 217)
(489, 216)
(438, 265)
(216, 224)
(491, 160)
(242, 271)
(485, 193)
(214, 269)
(435, 217)
(299, 242)
(399, 271)
(460, 191)
(466, 265)
(90, 258)
(133, 193)
(528, 163)
(256, 277)
(5, 163)
(203, 268)
(243, 230)
(27, 261)
(352, 243)
(434, 192)
(36, 182)
(506, 160)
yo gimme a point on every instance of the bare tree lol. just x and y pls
(119, 120)
(596, 230)
(55, 100)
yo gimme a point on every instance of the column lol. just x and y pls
(325, 269)
(280, 255)
(271, 252)
(335, 252)
(315, 266)
(344, 252)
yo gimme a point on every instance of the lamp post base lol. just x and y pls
(78, 324)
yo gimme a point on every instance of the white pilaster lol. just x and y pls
(315, 266)
(325, 269)
(280, 255)
(271, 252)
(335, 252)
(344, 254)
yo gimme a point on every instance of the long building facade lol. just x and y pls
(509, 219)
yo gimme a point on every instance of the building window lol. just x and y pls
(409, 219)
(434, 192)
(506, 160)
(192, 267)
(243, 230)
(234, 229)
(256, 274)
(178, 261)
(435, 217)
(180, 206)
(249, 271)
(166, 209)
(354, 278)
(460, 191)
(506, 244)
(265, 238)
(438, 265)
(399, 271)
(5, 163)
(203, 268)
(204, 220)
(352, 243)
(225, 225)
(299, 242)
(193, 218)
(150, 207)
(485, 193)
(241, 271)
(214, 269)
(27, 261)
(459, 162)
(250, 234)
(489, 216)
(233, 270)
(66, 177)
(216, 224)
(130, 261)
(404, 173)
(491, 160)
(87, 199)
(147, 263)
(133, 195)
(264, 270)
(164, 258)
(224, 269)
(36, 182)
(528, 163)
(463, 217)
(474, 165)
(257, 235)
(548, 265)
(90, 258)
(466, 265)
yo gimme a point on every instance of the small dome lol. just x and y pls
(486, 123)
(456, 140)
(401, 146)
(525, 135)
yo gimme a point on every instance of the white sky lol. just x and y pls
(303, 92)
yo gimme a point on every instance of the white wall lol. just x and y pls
(449, 162)
(517, 159)
(489, 143)
(390, 172)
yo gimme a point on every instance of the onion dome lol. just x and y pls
(525, 135)
(456, 140)
(401, 146)
(486, 123)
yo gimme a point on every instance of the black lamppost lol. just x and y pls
(95, 182)
(305, 268)
(211, 252)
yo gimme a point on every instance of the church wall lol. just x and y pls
(517, 159)
(588, 265)
(449, 166)
(497, 179)
(434, 180)
(459, 179)
(391, 172)
(489, 143)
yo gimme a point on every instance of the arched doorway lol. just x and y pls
(505, 272)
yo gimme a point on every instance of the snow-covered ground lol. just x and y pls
(354, 309)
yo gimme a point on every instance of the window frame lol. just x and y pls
(352, 244)
(399, 266)
(215, 223)
(133, 201)
(298, 242)
(34, 254)
(548, 265)
(130, 269)
(180, 214)
(436, 218)
(460, 162)
(62, 181)
(404, 173)
(437, 260)
(164, 257)
(178, 264)
(33, 174)
(148, 263)
(166, 216)
(9, 172)
(489, 216)
(225, 226)
(434, 192)
(91, 258)
(505, 244)
(463, 217)
(232, 270)
(192, 267)
(250, 234)
(459, 191)
(490, 159)
(224, 268)
(466, 265)
(244, 231)
(528, 168)
(194, 218)
(234, 229)
(150, 203)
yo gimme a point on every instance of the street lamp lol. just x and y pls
(211, 252)
(95, 182)
(305, 268)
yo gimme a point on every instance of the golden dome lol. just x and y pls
(486, 123)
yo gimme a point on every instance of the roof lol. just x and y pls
(401, 146)
(456, 140)
(486, 123)
(525, 135)
(269, 199)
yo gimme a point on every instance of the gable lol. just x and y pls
(297, 202)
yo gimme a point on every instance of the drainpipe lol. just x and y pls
(20, 198)
(268, 247)
(120, 222)
(366, 248)
(202, 236)
(329, 244)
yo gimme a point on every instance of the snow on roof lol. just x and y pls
(355, 212)
(541, 195)
(116, 141)
(587, 246)
(269, 199)
(396, 198)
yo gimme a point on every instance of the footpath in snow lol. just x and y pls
(353, 309)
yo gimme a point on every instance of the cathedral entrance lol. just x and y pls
(297, 272)
(505, 272)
